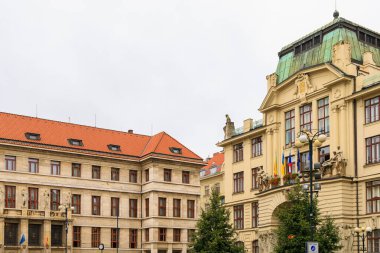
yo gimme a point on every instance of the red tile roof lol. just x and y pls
(54, 133)
(215, 162)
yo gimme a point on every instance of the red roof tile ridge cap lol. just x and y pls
(183, 145)
(69, 123)
(162, 135)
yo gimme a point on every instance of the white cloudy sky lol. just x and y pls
(153, 65)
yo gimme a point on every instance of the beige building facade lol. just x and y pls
(130, 192)
(328, 81)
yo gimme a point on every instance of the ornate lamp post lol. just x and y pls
(362, 233)
(306, 137)
(64, 208)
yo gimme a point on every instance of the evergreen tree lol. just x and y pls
(214, 232)
(294, 225)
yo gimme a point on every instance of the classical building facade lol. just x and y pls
(212, 176)
(327, 81)
(130, 192)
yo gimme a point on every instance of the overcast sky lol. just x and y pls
(153, 65)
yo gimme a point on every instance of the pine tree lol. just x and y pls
(294, 225)
(214, 232)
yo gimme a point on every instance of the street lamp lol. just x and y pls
(64, 208)
(364, 233)
(306, 137)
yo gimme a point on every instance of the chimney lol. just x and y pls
(130, 131)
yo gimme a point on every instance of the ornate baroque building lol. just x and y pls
(130, 192)
(328, 81)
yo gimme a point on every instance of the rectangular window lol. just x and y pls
(176, 234)
(373, 196)
(190, 208)
(33, 198)
(11, 234)
(133, 176)
(207, 190)
(115, 206)
(95, 237)
(324, 116)
(257, 147)
(239, 182)
(373, 149)
(255, 214)
(10, 162)
(186, 177)
(95, 172)
(147, 207)
(162, 234)
(33, 165)
(147, 175)
(55, 199)
(146, 234)
(255, 246)
(76, 236)
(190, 235)
(55, 168)
(255, 184)
(176, 208)
(305, 118)
(133, 238)
(162, 206)
(76, 203)
(10, 196)
(289, 127)
(75, 169)
(34, 234)
(133, 208)
(115, 172)
(167, 175)
(217, 188)
(95, 205)
(239, 217)
(373, 241)
(114, 238)
(56, 235)
(238, 152)
(324, 154)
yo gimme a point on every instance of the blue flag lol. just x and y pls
(298, 161)
(22, 240)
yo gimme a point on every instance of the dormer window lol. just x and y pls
(33, 136)
(75, 142)
(175, 150)
(114, 147)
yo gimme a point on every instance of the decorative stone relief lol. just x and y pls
(271, 118)
(336, 165)
(266, 240)
(303, 85)
(337, 93)
(1, 198)
(68, 199)
(347, 241)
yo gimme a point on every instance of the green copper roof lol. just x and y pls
(333, 33)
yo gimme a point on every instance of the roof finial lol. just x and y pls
(336, 12)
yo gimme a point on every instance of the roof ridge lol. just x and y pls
(162, 135)
(72, 124)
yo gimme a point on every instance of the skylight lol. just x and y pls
(75, 142)
(114, 147)
(175, 150)
(33, 136)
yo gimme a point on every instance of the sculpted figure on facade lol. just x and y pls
(1, 198)
(336, 165)
(229, 128)
(266, 241)
(46, 196)
(303, 85)
(68, 199)
(347, 238)
(262, 180)
(24, 198)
